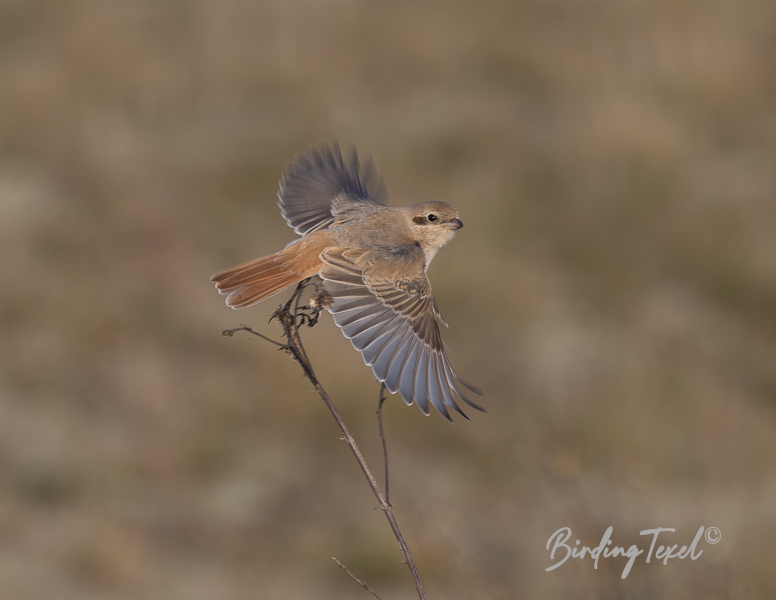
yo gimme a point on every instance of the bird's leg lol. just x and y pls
(318, 301)
(291, 307)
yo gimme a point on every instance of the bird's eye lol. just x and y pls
(432, 218)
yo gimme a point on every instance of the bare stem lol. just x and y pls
(379, 413)
(356, 579)
(291, 316)
(231, 332)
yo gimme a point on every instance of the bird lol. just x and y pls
(373, 260)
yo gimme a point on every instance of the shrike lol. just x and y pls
(373, 261)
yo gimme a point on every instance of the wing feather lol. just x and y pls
(393, 322)
(316, 178)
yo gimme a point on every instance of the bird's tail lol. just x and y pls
(254, 281)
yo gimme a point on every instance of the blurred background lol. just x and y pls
(613, 291)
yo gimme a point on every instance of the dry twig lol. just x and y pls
(291, 317)
(379, 413)
(356, 579)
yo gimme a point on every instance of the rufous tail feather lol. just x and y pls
(256, 280)
(261, 278)
(253, 281)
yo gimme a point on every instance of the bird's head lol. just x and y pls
(432, 226)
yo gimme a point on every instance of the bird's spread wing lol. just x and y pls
(385, 307)
(318, 176)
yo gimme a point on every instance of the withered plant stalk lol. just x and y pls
(291, 316)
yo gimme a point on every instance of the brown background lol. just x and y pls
(614, 291)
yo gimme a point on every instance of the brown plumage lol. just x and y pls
(373, 261)
(263, 277)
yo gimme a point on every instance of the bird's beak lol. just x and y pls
(456, 224)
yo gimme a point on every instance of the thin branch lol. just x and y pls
(291, 316)
(356, 579)
(379, 413)
(231, 332)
